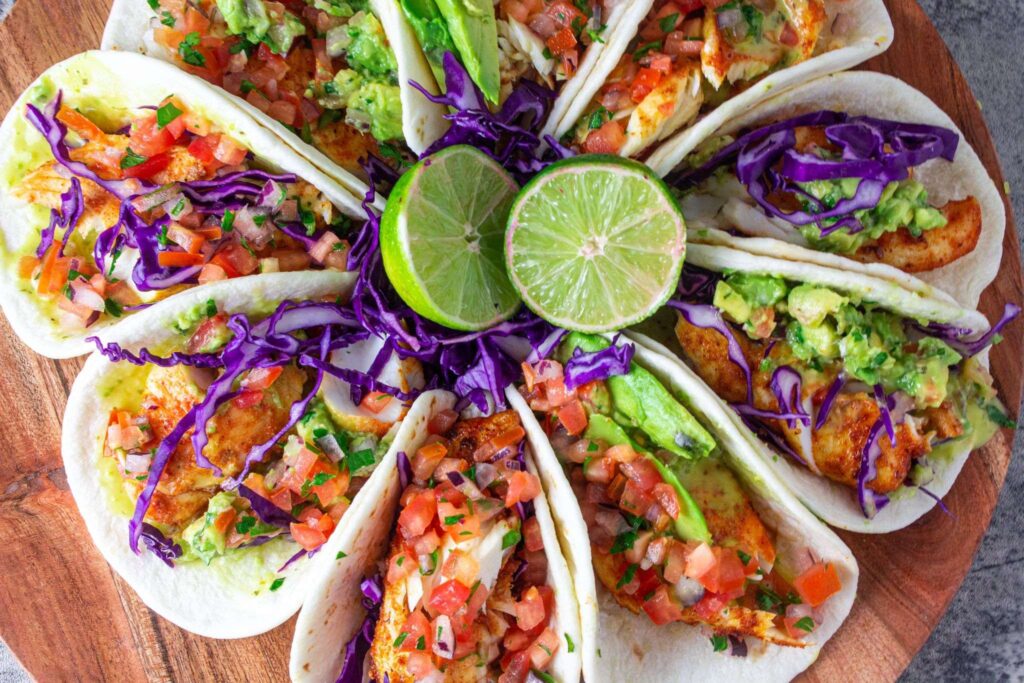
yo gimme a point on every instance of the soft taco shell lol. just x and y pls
(110, 86)
(886, 97)
(854, 31)
(226, 599)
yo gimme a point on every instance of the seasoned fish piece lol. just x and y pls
(935, 248)
(673, 103)
(468, 435)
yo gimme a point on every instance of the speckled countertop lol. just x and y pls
(981, 637)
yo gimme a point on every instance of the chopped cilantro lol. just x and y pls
(453, 519)
(277, 584)
(624, 541)
(228, 221)
(113, 308)
(401, 638)
(805, 624)
(628, 576)
(999, 417)
(744, 558)
(645, 48)
(247, 86)
(131, 159)
(322, 478)
(511, 538)
(166, 19)
(154, 4)
(668, 22)
(568, 641)
(719, 642)
(433, 564)
(167, 113)
(360, 459)
(245, 525)
(187, 50)
(421, 643)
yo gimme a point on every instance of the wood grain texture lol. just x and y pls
(68, 617)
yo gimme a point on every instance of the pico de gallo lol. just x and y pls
(323, 68)
(208, 503)
(673, 531)
(167, 201)
(466, 595)
(682, 56)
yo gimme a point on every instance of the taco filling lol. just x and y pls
(466, 589)
(674, 532)
(687, 58)
(143, 205)
(279, 462)
(856, 393)
(837, 183)
(324, 69)
(502, 43)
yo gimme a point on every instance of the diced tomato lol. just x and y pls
(376, 401)
(262, 378)
(306, 536)
(710, 605)
(530, 610)
(209, 333)
(282, 498)
(185, 238)
(202, 148)
(667, 498)
(562, 41)
(573, 417)
(818, 583)
(400, 566)
(635, 500)
(426, 460)
(228, 152)
(417, 514)
(608, 139)
(224, 520)
(300, 470)
(27, 265)
(178, 259)
(235, 260)
(661, 63)
(532, 536)
(283, 111)
(646, 80)
(53, 274)
(600, 470)
(416, 626)
(248, 399)
(333, 488)
(522, 487)
(211, 272)
(660, 608)
(148, 139)
(448, 597)
(543, 649)
(643, 472)
(420, 665)
(675, 562)
(195, 21)
(719, 570)
(477, 599)
(516, 639)
(621, 453)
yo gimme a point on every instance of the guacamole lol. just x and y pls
(822, 327)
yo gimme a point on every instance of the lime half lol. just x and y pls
(441, 239)
(595, 243)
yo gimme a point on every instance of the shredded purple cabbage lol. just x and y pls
(264, 509)
(788, 389)
(297, 556)
(708, 317)
(159, 545)
(870, 501)
(72, 205)
(510, 136)
(876, 151)
(585, 367)
(830, 397)
(960, 339)
(404, 470)
(885, 404)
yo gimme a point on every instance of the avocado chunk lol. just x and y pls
(202, 537)
(474, 32)
(690, 525)
(641, 401)
(247, 18)
(431, 31)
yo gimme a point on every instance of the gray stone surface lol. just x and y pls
(981, 638)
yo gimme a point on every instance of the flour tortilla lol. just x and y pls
(111, 84)
(867, 31)
(129, 29)
(881, 96)
(832, 502)
(198, 598)
(332, 614)
(619, 645)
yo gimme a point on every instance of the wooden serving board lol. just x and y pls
(67, 616)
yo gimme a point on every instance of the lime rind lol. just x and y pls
(442, 239)
(595, 244)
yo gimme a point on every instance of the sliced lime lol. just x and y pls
(441, 239)
(595, 243)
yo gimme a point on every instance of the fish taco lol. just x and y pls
(464, 579)
(215, 450)
(704, 562)
(127, 181)
(692, 65)
(332, 78)
(872, 392)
